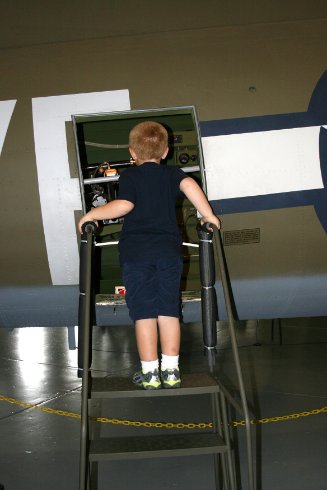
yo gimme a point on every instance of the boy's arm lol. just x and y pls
(197, 197)
(111, 210)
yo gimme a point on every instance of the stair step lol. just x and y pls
(119, 387)
(156, 446)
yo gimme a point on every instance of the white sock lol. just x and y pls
(169, 362)
(149, 365)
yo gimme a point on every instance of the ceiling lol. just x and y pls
(35, 22)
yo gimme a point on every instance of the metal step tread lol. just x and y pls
(120, 387)
(156, 446)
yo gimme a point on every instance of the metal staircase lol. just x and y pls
(216, 441)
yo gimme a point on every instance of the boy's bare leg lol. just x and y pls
(170, 338)
(170, 335)
(147, 339)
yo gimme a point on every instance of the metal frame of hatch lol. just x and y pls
(164, 111)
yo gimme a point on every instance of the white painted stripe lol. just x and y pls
(59, 193)
(269, 162)
(6, 110)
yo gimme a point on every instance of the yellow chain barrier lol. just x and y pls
(160, 425)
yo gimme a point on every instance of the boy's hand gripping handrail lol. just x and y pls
(89, 226)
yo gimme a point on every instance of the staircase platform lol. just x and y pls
(156, 446)
(119, 387)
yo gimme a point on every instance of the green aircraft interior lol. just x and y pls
(102, 153)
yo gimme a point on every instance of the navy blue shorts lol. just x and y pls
(153, 287)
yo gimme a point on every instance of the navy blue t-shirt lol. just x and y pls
(150, 230)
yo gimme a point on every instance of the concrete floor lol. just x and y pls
(39, 449)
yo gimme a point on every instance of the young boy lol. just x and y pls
(150, 250)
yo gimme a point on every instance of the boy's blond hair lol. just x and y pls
(149, 140)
